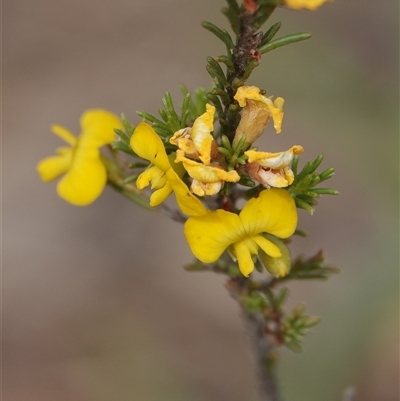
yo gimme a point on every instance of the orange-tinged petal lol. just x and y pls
(85, 180)
(275, 178)
(52, 167)
(201, 133)
(276, 160)
(98, 128)
(274, 212)
(209, 235)
(148, 145)
(206, 174)
(245, 93)
(205, 189)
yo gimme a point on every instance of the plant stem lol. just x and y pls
(263, 348)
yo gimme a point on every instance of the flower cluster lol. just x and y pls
(206, 168)
(250, 233)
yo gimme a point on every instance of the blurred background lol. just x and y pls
(96, 304)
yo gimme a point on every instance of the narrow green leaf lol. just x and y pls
(227, 61)
(317, 162)
(270, 33)
(152, 119)
(263, 13)
(219, 33)
(249, 69)
(224, 151)
(223, 95)
(216, 72)
(303, 205)
(216, 102)
(163, 115)
(325, 191)
(123, 147)
(295, 164)
(226, 144)
(130, 178)
(122, 135)
(326, 174)
(127, 125)
(286, 40)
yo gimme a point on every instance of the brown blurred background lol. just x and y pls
(96, 304)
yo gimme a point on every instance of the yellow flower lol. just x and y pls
(85, 174)
(198, 143)
(273, 212)
(257, 110)
(148, 145)
(272, 169)
(207, 179)
(308, 4)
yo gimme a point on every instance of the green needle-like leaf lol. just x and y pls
(286, 40)
(219, 33)
(270, 33)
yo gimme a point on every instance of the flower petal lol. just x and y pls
(274, 212)
(148, 145)
(98, 128)
(243, 255)
(279, 266)
(206, 174)
(160, 194)
(201, 133)
(245, 93)
(187, 202)
(276, 160)
(152, 174)
(205, 189)
(209, 235)
(267, 246)
(64, 134)
(52, 167)
(85, 180)
(275, 178)
(308, 4)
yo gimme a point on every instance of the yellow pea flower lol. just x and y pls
(207, 179)
(257, 110)
(198, 143)
(273, 212)
(308, 4)
(85, 174)
(272, 169)
(147, 144)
